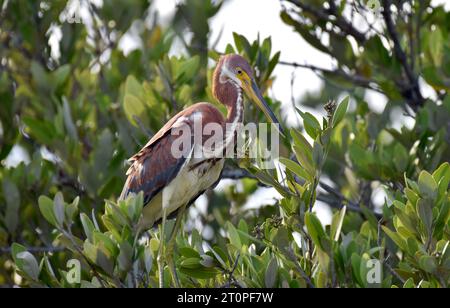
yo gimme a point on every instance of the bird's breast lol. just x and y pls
(193, 179)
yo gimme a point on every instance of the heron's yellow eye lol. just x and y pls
(239, 71)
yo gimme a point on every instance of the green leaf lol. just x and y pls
(400, 157)
(134, 87)
(271, 273)
(273, 62)
(315, 229)
(242, 43)
(46, 208)
(425, 212)
(356, 269)
(442, 177)
(428, 264)
(318, 155)
(396, 238)
(233, 235)
(68, 120)
(304, 160)
(428, 187)
(340, 112)
(88, 227)
(281, 238)
(442, 172)
(312, 126)
(25, 261)
(29, 264)
(58, 208)
(192, 263)
(243, 229)
(411, 195)
(301, 142)
(188, 69)
(188, 252)
(336, 224)
(133, 107)
(72, 209)
(295, 168)
(436, 46)
(409, 284)
(125, 257)
(60, 74)
(103, 240)
(15, 250)
(44, 131)
(221, 256)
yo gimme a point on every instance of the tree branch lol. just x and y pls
(355, 79)
(411, 90)
(43, 249)
(337, 202)
(236, 174)
(339, 21)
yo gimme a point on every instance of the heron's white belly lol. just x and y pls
(188, 183)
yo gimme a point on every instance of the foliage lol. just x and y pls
(79, 115)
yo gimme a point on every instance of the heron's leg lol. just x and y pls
(171, 246)
(160, 258)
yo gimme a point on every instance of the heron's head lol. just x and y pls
(234, 69)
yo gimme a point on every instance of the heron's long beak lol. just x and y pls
(253, 92)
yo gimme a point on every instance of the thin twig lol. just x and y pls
(44, 249)
(236, 262)
(290, 254)
(353, 78)
(385, 260)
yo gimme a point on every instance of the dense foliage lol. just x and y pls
(79, 108)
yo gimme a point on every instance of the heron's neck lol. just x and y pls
(234, 117)
(236, 109)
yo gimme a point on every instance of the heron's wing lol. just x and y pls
(154, 166)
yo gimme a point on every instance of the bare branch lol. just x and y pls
(336, 202)
(338, 20)
(353, 78)
(411, 90)
(43, 249)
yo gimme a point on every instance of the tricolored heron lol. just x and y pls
(171, 182)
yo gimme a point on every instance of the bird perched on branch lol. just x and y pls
(172, 177)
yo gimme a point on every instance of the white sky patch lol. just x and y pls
(426, 90)
(131, 40)
(262, 196)
(378, 196)
(323, 212)
(377, 101)
(165, 8)
(17, 155)
(446, 3)
(399, 118)
(55, 36)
